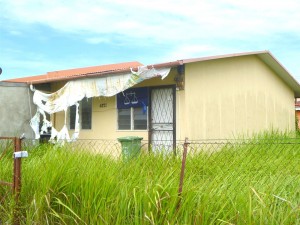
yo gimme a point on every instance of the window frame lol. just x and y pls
(132, 120)
(133, 98)
(80, 114)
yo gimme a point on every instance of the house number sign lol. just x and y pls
(103, 105)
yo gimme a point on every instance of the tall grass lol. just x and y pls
(253, 183)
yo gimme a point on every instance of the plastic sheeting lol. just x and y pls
(75, 90)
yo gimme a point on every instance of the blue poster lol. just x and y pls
(133, 97)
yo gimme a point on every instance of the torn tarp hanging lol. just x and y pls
(74, 91)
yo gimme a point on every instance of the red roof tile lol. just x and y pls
(77, 73)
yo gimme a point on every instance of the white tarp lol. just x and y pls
(75, 90)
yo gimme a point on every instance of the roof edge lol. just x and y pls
(263, 55)
(113, 72)
(207, 58)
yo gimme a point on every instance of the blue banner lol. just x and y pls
(133, 97)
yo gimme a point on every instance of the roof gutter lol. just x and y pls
(73, 77)
(167, 64)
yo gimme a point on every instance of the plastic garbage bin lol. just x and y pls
(131, 147)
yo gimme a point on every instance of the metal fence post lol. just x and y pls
(185, 148)
(17, 180)
(17, 170)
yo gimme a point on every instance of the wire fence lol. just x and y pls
(241, 163)
(114, 147)
(238, 165)
(244, 161)
(6, 150)
(214, 169)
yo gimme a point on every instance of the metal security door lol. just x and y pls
(162, 134)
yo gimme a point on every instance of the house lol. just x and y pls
(297, 111)
(216, 97)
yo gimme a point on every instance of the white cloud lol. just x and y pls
(187, 51)
(161, 20)
(186, 29)
(97, 40)
(16, 64)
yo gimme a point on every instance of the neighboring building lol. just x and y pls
(297, 110)
(215, 97)
(16, 110)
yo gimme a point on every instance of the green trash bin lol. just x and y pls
(131, 147)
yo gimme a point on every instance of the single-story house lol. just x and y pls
(216, 97)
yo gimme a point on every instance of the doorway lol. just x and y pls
(162, 119)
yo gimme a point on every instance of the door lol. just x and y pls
(162, 136)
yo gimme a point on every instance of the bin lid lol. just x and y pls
(129, 138)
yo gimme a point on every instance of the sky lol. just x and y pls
(39, 36)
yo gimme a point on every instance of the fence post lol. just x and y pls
(185, 148)
(17, 170)
(17, 179)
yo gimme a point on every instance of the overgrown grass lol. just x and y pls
(253, 183)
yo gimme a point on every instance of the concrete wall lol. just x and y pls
(16, 110)
(235, 97)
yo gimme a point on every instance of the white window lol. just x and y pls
(140, 118)
(124, 119)
(133, 118)
(132, 106)
(85, 114)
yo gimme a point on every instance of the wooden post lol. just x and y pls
(17, 180)
(185, 147)
(17, 170)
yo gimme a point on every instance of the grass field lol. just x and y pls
(253, 183)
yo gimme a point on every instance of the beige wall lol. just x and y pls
(227, 98)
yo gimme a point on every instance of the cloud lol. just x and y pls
(189, 50)
(97, 40)
(164, 29)
(160, 20)
(16, 64)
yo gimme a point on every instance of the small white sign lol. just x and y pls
(21, 154)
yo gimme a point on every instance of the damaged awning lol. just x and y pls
(74, 91)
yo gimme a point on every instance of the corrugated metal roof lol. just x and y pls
(77, 73)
